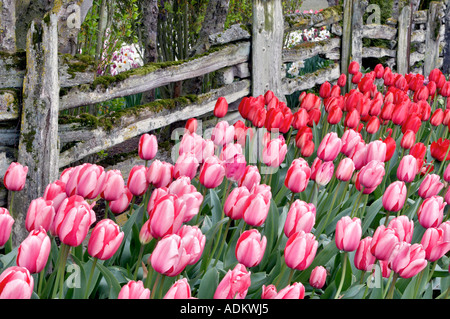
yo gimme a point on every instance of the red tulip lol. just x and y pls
(356, 77)
(373, 125)
(342, 80)
(301, 118)
(352, 119)
(221, 107)
(310, 101)
(408, 139)
(439, 149)
(15, 177)
(379, 70)
(148, 146)
(353, 67)
(390, 147)
(325, 90)
(191, 125)
(335, 115)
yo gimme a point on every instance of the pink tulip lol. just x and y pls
(301, 216)
(407, 169)
(257, 205)
(359, 155)
(445, 226)
(250, 248)
(403, 227)
(235, 167)
(298, 176)
(294, 291)
(166, 215)
(87, 180)
(430, 186)
(324, 173)
(234, 285)
(34, 250)
(364, 260)
(318, 277)
(6, 223)
(73, 220)
(407, 260)
(187, 192)
(370, 176)
(350, 139)
(105, 239)
(134, 290)
(348, 233)
(345, 169)
(121, 204)
(145, 235)
(431, 212)
(329, 147)
(157, 194)
(434, 243)
(383, 242)
(376, 150)
(394, 196)
(235, 203)
(268, 292)
(41, 212)
(300, 250)
(193, 241)
(160, 174)
(179, 290)
(64, 177)
(137, 182)
(114, 185)
(148, 146)
(16, 283)
(15, 177)
(223, 133)
(169, 257)
(251, 177)
(212, 172)
(186, 165)
(55, 192)
(274, 152)
(447, 174)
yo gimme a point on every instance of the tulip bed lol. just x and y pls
(341, 197)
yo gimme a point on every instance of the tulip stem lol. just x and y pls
(392, 287)
(141, 251)
(341, 283)
(106, 209)
(329, 211)
(132, 205)
(11, 205)
(63, 253)
(223, 241)
(443, 161)
(155, 285)
(94, 264)
(291, 274)
(358, 201)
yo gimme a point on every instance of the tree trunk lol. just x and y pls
(149, 36)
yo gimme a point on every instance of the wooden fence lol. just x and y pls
(36, 85)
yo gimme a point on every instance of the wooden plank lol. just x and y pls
(8, 26)
(307, 50)
(346, 43)
(131, 125)
(379, 31)
(300, 21)
(139, 81)
(308, 81)
(432, 37)
(359, 7)
(403, 45)
(9, 105)
(377, 52)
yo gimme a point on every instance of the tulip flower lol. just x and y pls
(298, 176)
(348, 233)
(137, 182)
(408, 139)
(439, 149)
(166, 216)
(222, 133)
(41, 212)
(364, 260)
(324, 173)
(433, 241)
(73, 220)
(250, 248)
(15, 177)
(235, 203)
(250, 178)
(186, 165)
(148, 146)
(394, 196)
(376, 150)
(353, 67)
(370, 176)
(160, 174)
(221, 107)
(383, 242)
(191, 125)
(6, 223)
(179, 290)
(318, 277)
(169, 257)
(430, 186)
(407, 169)
(301, 119)
(234, 285)
(403, 228)
(294, 291)
(34, 250)
(274, 152)
(134, 290)
(407, 260)
(186, 192)
(235, 167)
(330, 147)
(325, 90)
(310, 101)
(301, 216)
(257, 205)
(373, 125)
(55, 192)
(345, 169)
(334, 115)
(114, 185)
(300, 250)
(16, 283)
(105, 239)
(350, 139)
(431, 212)
(87, 180)
(268, 292)
(121, 204)
(212, 172)
(342, 80)
(193, 241)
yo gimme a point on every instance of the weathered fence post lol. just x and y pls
(404, 25)
(267, 44)
(446, 62)
(38, 142)
(359, 7)
(346, 46)
(432, 37)
(7, 26)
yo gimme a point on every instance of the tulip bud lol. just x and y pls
(169, 257)
(407, 260)
(330, 147)
(212, 172)
(134, 290)
(114, 185)
(166, 216)
(394, 196)
(431, 211)
(348, 233)
(301, 216)
(137, 181)
(250, 248)
(234, 285)
(159, 174)
(318, 277)
(179, 290)
(105, 239)
(40, 213)
(34, 250)
(221, 107)
(304, 242)
(324, 173)
(191, 125)
(274, 152)
(430, 186)
(148, 146)
(15, 177)
(16, 283)
(345, 169)
(408, 139)
(364, 260)
(433, 241)
(407, 169)
(298, 176)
